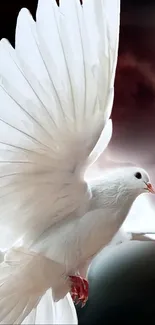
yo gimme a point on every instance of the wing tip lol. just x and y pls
(5, 44)
(23, 15)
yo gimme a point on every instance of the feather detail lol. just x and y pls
(24, 278)
(102, 143)
(47, 312)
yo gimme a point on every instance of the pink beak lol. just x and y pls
(150, 188)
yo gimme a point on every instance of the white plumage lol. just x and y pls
(56, 95)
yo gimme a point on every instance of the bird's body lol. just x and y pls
(75, 240)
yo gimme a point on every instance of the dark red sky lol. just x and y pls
(134, 106)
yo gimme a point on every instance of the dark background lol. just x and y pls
(134, 105)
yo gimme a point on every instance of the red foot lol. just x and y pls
(79, 289)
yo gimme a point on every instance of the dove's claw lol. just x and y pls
(79, 289)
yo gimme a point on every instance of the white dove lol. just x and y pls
(56, 96)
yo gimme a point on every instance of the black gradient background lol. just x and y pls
(134, 105)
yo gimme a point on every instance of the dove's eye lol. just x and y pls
(138, 175)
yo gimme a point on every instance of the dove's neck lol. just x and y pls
(110, 196)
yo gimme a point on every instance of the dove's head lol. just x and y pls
(137, 180)
(120, 187)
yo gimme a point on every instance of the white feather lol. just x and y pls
(102, 143)
(100, 19)
(62, 312)
(21, 286)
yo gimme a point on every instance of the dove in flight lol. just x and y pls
(56, 95)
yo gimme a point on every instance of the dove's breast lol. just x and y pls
(73, 241)
(108, 210)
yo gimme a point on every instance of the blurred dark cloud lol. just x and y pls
(134, 105)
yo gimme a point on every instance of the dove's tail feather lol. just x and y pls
(24, 278)
(49, 312)
(14, 305)
(14, 309)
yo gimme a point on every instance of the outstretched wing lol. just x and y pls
(56, 95)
